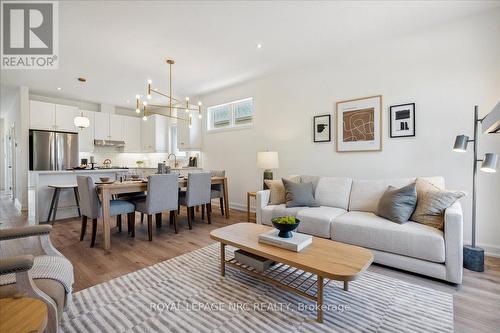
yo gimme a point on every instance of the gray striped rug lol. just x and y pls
(187, 294)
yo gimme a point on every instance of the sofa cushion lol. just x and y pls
(333, 192)
(371, 231)
(316, 220)
(397, 204)
(365, 194)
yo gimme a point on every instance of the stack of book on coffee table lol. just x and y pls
(296, 243)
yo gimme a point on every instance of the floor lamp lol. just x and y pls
(474, 256)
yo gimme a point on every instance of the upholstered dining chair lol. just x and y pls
(42, 273)
(162, 195)
(91, 207)
(197, 194)
(217, 190)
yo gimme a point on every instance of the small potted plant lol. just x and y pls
(285, 224)
(139, 163)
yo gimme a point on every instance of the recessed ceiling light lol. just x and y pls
(59, 88)
(259, 46)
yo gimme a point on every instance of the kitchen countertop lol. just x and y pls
(48, 172)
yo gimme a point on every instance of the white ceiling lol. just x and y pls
(118, 45)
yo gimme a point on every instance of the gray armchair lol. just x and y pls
(19, 274)
(197, 194)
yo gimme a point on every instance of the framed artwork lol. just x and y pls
(322, 128)
(402, 120)
(359, 124)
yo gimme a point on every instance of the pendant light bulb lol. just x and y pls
(137, 111)
(199, 116)
(144, 118)
(187, 110)
(149, 96)
(199, 103)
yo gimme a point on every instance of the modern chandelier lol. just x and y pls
(173, 103)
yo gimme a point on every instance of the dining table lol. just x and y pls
(106, 191)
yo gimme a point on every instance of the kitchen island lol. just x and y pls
(40, 195)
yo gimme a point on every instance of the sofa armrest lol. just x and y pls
(16, 264)
(22, 232)
(453, 239)
(262, 199)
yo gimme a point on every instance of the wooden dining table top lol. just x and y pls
(143, 183)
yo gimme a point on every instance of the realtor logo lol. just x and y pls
(29, 35)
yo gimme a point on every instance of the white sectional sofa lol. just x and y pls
(347, 214)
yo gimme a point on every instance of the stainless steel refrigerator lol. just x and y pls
(53, 150)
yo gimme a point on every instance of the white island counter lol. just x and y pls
(40, 195)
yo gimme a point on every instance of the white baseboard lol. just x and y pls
(490, 250)
(240, 207)
(18, 205)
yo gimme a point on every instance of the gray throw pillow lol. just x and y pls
(397, 204)
(299, 194)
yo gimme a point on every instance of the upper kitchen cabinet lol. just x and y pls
(101, 127)
(86, 135)
(108, 126)
(65, 116)
(155, 134)
(52, 117)
(189, 138)
(132, 134)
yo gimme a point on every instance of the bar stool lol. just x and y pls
(55, 199)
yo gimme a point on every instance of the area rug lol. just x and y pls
(187, 294)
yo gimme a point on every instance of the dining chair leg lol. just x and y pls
(189, 218)
(202, 212)
(84, 227)
(150, 227)
(209, 213)
(178, 209)
(221, 206)
(158, 220)
(142, 218)
(119, 222)
(192, 213)
(173, 220)
(131, 224)
(94, 232)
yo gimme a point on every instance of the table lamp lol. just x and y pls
(267, 160)
(474, 256)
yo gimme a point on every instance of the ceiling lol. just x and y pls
(118, 45)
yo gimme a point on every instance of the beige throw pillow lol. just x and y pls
(431, 204)
(277, 196)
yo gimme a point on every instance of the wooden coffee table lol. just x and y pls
(305, 273)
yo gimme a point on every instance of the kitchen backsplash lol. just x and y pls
(151, 160)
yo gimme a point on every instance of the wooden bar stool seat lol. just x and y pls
(54, 204)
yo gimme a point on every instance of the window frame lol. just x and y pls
(232, 124)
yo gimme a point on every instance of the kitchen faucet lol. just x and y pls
(175, 159)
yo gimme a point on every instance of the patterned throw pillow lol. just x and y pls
(277, 189)
(431, 204)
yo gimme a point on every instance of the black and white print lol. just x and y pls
(322, 128)
(402, 120)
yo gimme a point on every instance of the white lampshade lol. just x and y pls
(81, 122)
(267, 160)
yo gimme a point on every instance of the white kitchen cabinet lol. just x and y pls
(42, 115)
(189, 138)
(116, 127)
(132, 134)
(155, 134)
(101, 128)
(65, 117)
(86, 135)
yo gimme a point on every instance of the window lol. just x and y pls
(173, 142)
(237, 114)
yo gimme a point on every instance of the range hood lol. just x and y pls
(109, 143)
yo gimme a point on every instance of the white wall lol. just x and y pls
(445, 71)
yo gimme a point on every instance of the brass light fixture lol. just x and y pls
(173, 103)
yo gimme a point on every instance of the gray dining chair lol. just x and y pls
(217, 190)
(91, 207)
(162, 195)
(197, 194)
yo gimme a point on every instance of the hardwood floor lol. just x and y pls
(476, 301)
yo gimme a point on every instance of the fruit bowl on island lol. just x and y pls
(285, 224)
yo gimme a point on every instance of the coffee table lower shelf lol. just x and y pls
(301, 282)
